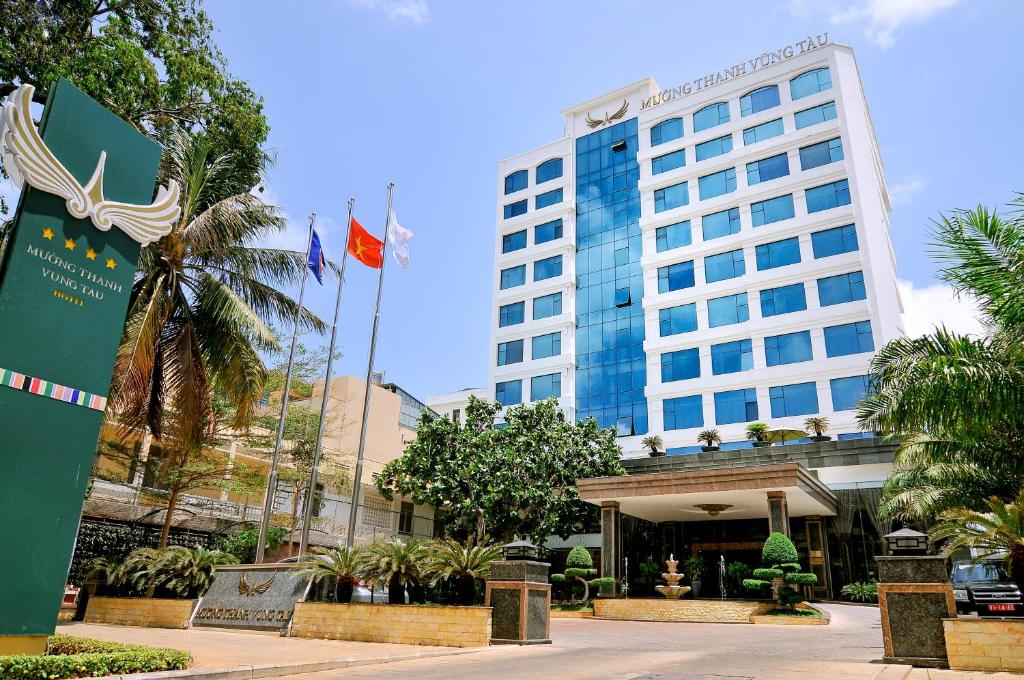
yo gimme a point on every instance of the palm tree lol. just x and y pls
(954, 401)
(398, 563)
(652, 442)
(995, 533)
(465, 564)
(710, 438)
(188, 572)
(201, 306)
(757, 432)
(817, 424)
(342, 564)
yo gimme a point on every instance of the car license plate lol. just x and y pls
(1000, 607)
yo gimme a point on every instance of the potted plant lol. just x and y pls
(650, 569)
(711, 439)
(694, 568)
(758, 434)
(653, 443)
(819, 426)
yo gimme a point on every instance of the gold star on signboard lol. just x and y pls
(91, 254)
(48, 234)
(111, 264)
(69, 243)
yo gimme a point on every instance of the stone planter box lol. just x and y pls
(443, 626)
(559, 614)
(140, 611)
(690, 611)
(984, 644)
(792, 620)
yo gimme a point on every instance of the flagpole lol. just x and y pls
(356, 484)
(307, 516)
(268, 504)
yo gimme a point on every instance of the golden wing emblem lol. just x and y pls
(28, 160)
(621, 112)
(244, 588)
(596, 122)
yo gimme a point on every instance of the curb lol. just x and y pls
(273, 671)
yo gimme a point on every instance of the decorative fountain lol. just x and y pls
(672, 590)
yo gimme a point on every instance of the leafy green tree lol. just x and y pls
(954, 400)
(520, 479)
(342, 565)
(996, 533)
(781, 572)
(464, 565)
(579, 568)
(242, 544)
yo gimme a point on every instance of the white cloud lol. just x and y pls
(931, 306)
(413, 11)
(906, 190)
(883, 18)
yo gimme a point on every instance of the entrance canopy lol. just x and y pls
(727, 493)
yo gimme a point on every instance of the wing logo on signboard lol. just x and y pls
(250, 590)
(28, 160)
(595, 122)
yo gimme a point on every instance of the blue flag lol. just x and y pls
(316, 258)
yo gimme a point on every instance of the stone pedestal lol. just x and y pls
(519, 595)
(914, 596)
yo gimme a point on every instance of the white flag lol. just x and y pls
(399, 237)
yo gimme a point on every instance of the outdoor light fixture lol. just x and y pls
(906, 542)
(522, 549)
(713, 509)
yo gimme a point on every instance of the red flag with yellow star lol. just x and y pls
(365, 247)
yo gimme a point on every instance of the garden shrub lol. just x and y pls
(860, 591)
(781, 572)
(76, 657)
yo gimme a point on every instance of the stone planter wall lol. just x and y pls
(691, 611)
(403, 624)
(559, 614)
(985, 644)
(140, 611)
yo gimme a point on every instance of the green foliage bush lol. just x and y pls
(860, 591)
(778, 549)
(781, 563)
(75, 657)
(579, 568)
(242, 544)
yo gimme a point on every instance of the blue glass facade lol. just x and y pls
(611, 368)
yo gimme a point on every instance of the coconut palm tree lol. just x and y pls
(342, 564)
(995, 533)
(398, 563)
(653, 443)
(201, 307)
(464, 564)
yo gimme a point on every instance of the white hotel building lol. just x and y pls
(700, 257)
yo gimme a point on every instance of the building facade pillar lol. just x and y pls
(817, 555)
(778, 512)
(611, 545)
(670, 543)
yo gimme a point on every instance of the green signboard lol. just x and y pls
(65, 283)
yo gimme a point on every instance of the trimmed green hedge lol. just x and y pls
(76, 657)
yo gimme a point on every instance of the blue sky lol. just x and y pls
(431, 94)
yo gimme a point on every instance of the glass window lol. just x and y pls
(622, 298)
(713, 147)
(793, 400)
(543, 346)
(731, 357)
(675, 276)
(547, 198)
(767, 169)
(549, 170)
(720, 224)
(710, 116)
(760, 99)
(759, 133)
(546, 386)
(547, 305)
(815, 115)
(834, 241)
(513, 241)
(510, 352)
(848, 338)
(669, 161)
(510, 315)
(810, 83)
(676, 320)
(509, 393)
(673, 236)
(724, 266)
(515, 209)
(783, 300)
(624, 426)
(517, 181)
(671, 197)
(717, 183)
(789, 348)
(822, 153)
(735, 406)
(728, 310)
(547, 268)
(834, 290)
(778, 253)
(683, 412)
(549, 231)
(681, 365)
(827, 196)
(772, 210)
(666, 131)
(513, 276)
(846, 392)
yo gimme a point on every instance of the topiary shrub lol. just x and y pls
(578, 566)
(781, 573)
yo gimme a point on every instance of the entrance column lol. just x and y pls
(817, 548)
(610, 546)
(670, 544)
(778, 512)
